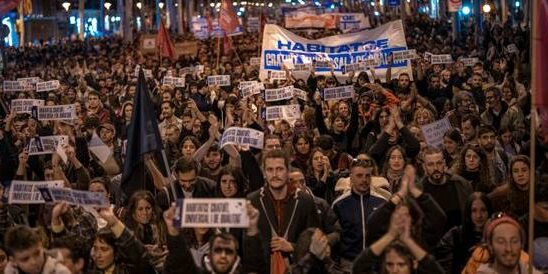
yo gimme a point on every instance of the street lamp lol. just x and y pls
(139, 5)
(486, 8)
(108, 5)
(161, 5)
(66, 6)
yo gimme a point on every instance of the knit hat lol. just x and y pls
(504, 219)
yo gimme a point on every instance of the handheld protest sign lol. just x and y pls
(433, 132)
(27, 192)
(195, 212)
(73, 197)
(242, 136)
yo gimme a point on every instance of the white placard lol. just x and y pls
(59, 112)
(47, 144)
(301, 67)
(26, 192)
(338, 93)
(244, 84)
(512, 48)
(147, 72)
(174, 81)
(74, 197)
(212, 213)
(278, 94)
(404, 55)
(276, 75)
(25, 105)
(301, 94)
(433, 132)
(30, 80)
(218, 80)
(14, 86)
(99, 148)
(47, 86)
(279, 44)
(286, 112)
(243, 136)
(441, 59)
(255, 61)
(469, 62)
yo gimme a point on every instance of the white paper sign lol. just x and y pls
(30, 80)
(301, 94)
(441, 59)
(278, 94)
(147, 72)
(255, 61)
(338, 93)
(47, 86)
(212, 213)
(433, 132)
(276, 75)
(286, 112)
(218, 80)
(74, 197)
(301, 67)
(469, 62)
(403, 55)
(99, 148)
(512, 48)
(249, 88)
(244, 84)
(243, 136)
(26, 192)
(14, 86)
(25, 105)
(47, 144)
(59, 112)
(174, 81)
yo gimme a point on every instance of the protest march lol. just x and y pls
(275, 137)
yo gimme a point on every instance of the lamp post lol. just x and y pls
(66, 6)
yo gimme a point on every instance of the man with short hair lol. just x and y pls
(469, 128)
(168, 118)
(27, 254)
(505, 239)
(450, 191)
(352, 209)
(74, 251)
(187, 185)
(285, 212)
(212, 163)
(487, 139)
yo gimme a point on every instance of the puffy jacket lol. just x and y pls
(353, 210)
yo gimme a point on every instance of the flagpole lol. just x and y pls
(533, 148)
(235, 50)
(218, 52)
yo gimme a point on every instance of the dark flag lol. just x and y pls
(143, 138)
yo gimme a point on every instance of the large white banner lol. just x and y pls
(280, 44)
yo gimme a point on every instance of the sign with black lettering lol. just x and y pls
(212, 213)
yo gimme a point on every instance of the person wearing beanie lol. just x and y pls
(505, 239)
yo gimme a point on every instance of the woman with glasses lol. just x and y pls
(455, 248)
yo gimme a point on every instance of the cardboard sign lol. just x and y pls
(404, 55)
(148, 44)
(441, 59)
(338, 93)
(174, 81)
(14, 86)
(59, 112)
(74, 197)
(469, 62)
(218, 80)
(243, 136)
(255, 61)
(47, 86)
(46, 144)
(278, 94)
(211, 213)
(27, 192)
(286, 112)
(433, 132)
(25, 105)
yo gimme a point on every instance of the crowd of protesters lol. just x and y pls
(350, 187)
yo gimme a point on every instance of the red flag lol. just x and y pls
(8, 5)
(164, 44)
(227, 45)
(228, 20)
(540, 65)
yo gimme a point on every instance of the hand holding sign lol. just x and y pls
(169, 216)
(58, 210)
(108, 215)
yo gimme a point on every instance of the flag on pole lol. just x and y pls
(263, 21)
(143, 138)
(8, 5)
(209, 22)
(164, 44)
(227, 45)
(540, 65)
(228, 20)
